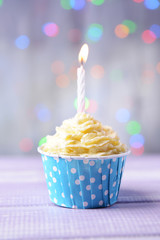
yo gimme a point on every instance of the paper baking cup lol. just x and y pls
(83, 182)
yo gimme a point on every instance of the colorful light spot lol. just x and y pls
(121, 31)
(158, 67)
(137, 151)
(116, 75)
(77, 4)
(133, 127)
(130, 24)
(155, 28)
(94, 32)
(148, 36)
(57, 67)
(97, 72)
(148, 76)
(62, 81)
(42, 141)
(123, 115)
(66, 4)
(42, 113)
(74, 35)
(73, 72)
(50, 29)
(151, 4)
(138, 1)
(136, 140)
(86, 103)
(1, 2)
(93, 106)
(26, 145)
(97, 2)
(22, 42)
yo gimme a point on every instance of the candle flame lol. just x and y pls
(83, 54)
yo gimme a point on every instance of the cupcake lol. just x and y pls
(83, 163)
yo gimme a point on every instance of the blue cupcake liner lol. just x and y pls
(83, 182)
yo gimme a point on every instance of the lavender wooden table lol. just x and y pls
(27, 213)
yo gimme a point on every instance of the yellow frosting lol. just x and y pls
(84, 136)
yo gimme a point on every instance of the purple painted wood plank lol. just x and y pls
(27, 213)
(38, 222)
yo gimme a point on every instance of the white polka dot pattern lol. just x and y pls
(77, 182)
(104, 177)
(88, 187)
(55, 168)
(101, 203)
(91, 163)
(114, 184)
(49, 184)
(93, 196)
(83, 183)
(54, 180)
(85, 161)
(81, 178)
(100, 187)
(73, 170)
(105, 192)
(109, 165)
(85, 204)
(92, 179)
(111, 195)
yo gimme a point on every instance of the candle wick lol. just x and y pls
(82, 62)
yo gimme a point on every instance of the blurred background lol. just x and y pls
(39, 46)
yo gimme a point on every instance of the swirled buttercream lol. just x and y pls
(83, 136)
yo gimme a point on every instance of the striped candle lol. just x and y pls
(83, 55)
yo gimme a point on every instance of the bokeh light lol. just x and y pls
(130, 24)
(42, 141)
(86, 103)
(116, 75)
(66, 4)
(158, 67)
(138, 1)
(148, 75)
(22, 42)
(93, 106)
(95, 32)
(148, 36)
(136, 141)
(26, 145)
(62, 81)
(97, 2)
(133, 127)
(123, 115)
(137, 151)
(74, 35)
(151, 4)
(155, 28)
(77, 4)
(57, 67)
(1, 2)
(73, 72)
(42, 113)
(50, 29)
(97, 71)
(121, 31)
